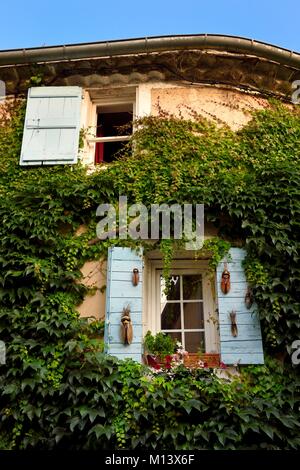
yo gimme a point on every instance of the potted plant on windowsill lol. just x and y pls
(159, 350)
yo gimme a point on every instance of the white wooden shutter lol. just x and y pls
(246, 347)
(120, 293)
(52, 125)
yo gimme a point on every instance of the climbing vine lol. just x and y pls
(249, 184)
(56, 386)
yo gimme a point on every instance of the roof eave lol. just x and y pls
(150, 45)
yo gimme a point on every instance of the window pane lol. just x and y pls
(170, 317)
(193, 315)
(192, 287)
(174, 291)
(195, 342)
(176, 335)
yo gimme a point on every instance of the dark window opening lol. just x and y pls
(112, 121)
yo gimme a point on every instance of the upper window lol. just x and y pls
(56, 115)
(114, 127)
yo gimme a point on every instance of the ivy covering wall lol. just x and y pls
(57, 388)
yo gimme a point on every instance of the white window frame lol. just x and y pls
(181, 272)
(89, 119)
(98, 104)
(152, 306)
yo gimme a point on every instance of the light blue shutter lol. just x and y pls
(121, 293)
(52, 125)
(246, 348)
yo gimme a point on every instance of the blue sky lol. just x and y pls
(30, 23)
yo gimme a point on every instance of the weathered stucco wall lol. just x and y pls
(224, 106)
(94, 275)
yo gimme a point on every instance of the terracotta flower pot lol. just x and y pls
(208, 360)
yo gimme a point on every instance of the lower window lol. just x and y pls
(182, 312)
(186, 310)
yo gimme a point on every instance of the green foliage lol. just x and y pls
(167, 248)
(36, 80)
(160, 344)
(104, 404)
(57, 389)
(256, 273)
(217, 249)
(249, 184)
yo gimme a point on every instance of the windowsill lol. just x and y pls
(103, 140)
(227, 373)
(195, 360)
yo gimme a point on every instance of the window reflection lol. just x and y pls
(194, 341)
(171, 317)
(192, 287)
(173, 291)
(193, 315)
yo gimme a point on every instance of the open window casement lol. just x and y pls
(114, 128)
(52, 126)
(108, 117)
(246, 347)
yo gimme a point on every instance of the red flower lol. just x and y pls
(152, 362)
(168, 362)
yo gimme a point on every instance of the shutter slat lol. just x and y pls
(54, 91)
(115, 334)
(51, 123)
(114, 318)
(246, 347)
(52, 126)
(121, 293)
(117, 304)
(235, 358)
